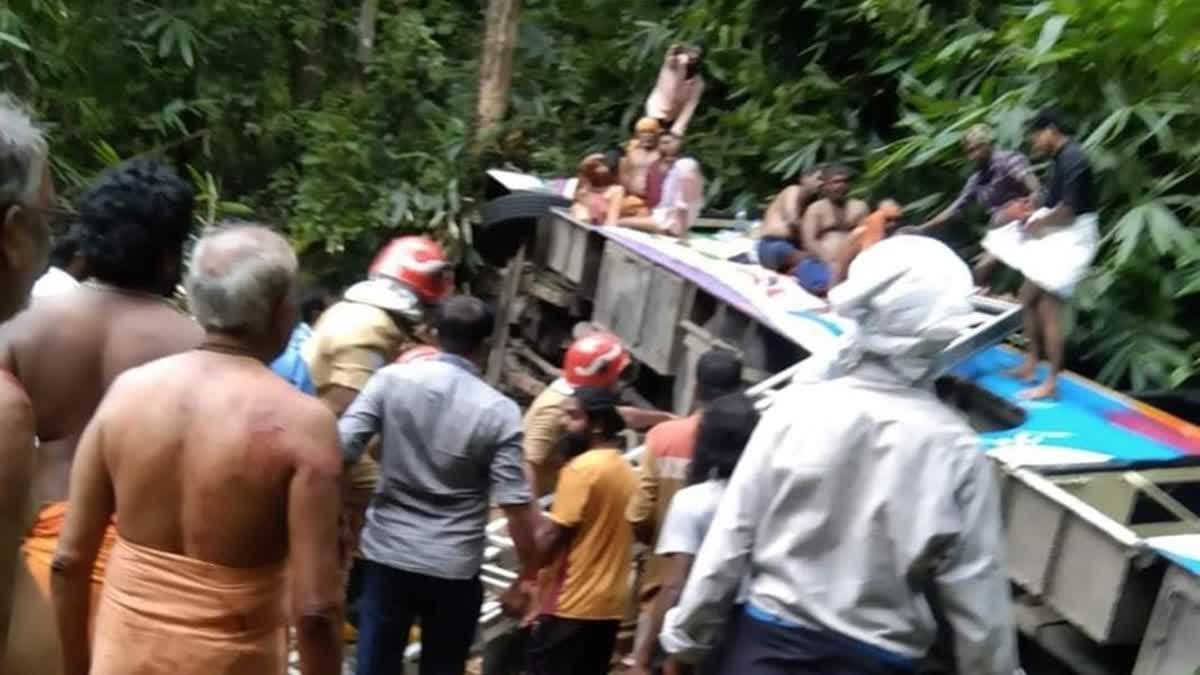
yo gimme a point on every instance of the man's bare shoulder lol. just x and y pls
(174, 326)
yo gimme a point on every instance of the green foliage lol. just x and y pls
(297, 132)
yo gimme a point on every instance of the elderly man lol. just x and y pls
(221, 526)
(68, 348)
(832, 586)
(1001, 180)
(26, 192)
(1052, 248)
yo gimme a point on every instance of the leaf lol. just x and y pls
(1051, 30)
(15, 41)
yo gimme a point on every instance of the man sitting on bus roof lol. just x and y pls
(780, 246)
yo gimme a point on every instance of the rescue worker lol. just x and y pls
(26, 194)
(588, 541)
(375, 321)
(222, 526)
(1053, 247)
(67, 349)
(832, 586)
(598, 360)
(450, 444)
(1001, 182)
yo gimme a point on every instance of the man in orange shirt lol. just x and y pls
(588, 541)
(664, 469)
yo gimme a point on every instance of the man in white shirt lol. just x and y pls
(859, 494)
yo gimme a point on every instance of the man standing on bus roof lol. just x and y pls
(1002, 179)
(1052, 248)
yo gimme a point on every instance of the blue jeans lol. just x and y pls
(392, 600)
(777, 254)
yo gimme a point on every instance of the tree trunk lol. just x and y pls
(496, 63)
(368, 15)
(308, 43)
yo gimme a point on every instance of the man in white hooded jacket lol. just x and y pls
(859, 494)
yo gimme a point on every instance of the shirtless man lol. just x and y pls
(780, 245)
(67, 349)
(642, 154)
(220, 525)
(829, 221)
(26, 192)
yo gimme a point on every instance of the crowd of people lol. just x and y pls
(812, 230)
(181, 488)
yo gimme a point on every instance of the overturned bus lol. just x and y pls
(1100, 491)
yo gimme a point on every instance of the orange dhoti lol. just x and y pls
(163, 613)
(42, 541)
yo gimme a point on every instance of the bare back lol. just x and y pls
(782, 219)
(68, 349)
(202, 449)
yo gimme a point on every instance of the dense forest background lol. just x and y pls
(346, 121)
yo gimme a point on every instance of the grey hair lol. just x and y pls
(979, 134)
(237, 275)
(23, 153)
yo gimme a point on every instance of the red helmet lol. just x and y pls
(595, 360)
(419, 263)
(418, 354)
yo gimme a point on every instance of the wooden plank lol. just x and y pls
(512, 283)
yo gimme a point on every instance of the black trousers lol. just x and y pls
(392, 599)
(761, 648)
(572, 646)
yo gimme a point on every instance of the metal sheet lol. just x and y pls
(621, 294)
(1172, 641)
(1033, 523)
(666, 298)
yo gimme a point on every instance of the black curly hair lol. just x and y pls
(725, 429)
(134, 222)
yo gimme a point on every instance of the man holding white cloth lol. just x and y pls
(860, 494)
(1053, 248)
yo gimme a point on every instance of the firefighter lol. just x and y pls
(597, 359)
(373, 323)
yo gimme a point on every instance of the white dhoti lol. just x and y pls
(1057, 260)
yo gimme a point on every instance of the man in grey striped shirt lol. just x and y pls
(449, 445)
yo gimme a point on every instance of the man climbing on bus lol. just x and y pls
(1052, 247)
